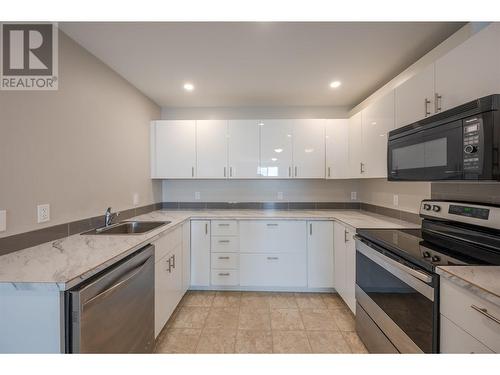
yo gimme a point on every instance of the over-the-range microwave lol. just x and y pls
(461, 143)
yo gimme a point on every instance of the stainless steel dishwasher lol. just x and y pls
(114, 311)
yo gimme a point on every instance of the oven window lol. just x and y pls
(406, 307)
(432, 153)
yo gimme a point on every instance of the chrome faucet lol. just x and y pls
(108, 217)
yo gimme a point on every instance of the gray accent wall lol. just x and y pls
(81, 149)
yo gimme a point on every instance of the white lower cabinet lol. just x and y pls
(345, 264)
(320, 254)
(273, 270)
(272, 236)
(455, 340)
(200, 253)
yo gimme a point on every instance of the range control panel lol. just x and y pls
(472, 144)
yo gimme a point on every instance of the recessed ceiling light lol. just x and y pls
(188, 86)
(335, 84)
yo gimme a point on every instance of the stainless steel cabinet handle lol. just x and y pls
(272, 258)
(437, 102)
(272, 224)
(224, 241)
(230, 171)
(173, 261)
(289, 171)
(346, 238)
(223, 258)
(192, 171)
(485, 312)
(295, 171)
(426, 107)
(224, 171)
(329, 172)
(206, 228)
(310, 229)
(223, 224)
(169, 262)
(361, 167)
(224, 274)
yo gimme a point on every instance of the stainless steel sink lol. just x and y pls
(128, 227)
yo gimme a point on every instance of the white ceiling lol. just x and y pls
(259, 63)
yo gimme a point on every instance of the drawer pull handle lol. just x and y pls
(485, 313)
(223, 258)
(272, 258)
(224, 274)
(223, 225)
(272, 224)
(224, 241)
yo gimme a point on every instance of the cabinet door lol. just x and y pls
(454, 340)
(320, 254)
(186, 256)
(350, 267)
(174, 149)
(243, 148)
(339, 249)
(309, 148)
(337, 148)
(276, 148)
(415, 98)
(273, 270)
(200, 253)
(355, 146)
(211, 149)
(377, 121)
(469, 71)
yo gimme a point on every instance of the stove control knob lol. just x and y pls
(435, 258)
(436, 208)
(426, 254)
(427, 206)
(470, 149)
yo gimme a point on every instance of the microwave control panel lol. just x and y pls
(472, 144)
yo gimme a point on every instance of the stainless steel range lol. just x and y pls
(397, 288)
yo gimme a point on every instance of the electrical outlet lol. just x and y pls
(280, 195)
(43, 211)
(197, 195)
(3, 220)
(135, 199)
(395, 200)
(354, 195)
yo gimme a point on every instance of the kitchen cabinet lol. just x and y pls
(337, 148)
(455, 340)
(355, 146)
(243, 148)
(415, 97)
(224, 253)
(276, 143)
(309, 148)
(211, 149)
(345, 264)
(173, 149)
(320, 272)
(272, 236)
(200, 253)
(470, 70)
(377, 121)
(186, 256)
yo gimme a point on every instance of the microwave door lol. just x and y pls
(435, 154)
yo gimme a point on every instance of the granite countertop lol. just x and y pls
(64, 263)
(483, 281)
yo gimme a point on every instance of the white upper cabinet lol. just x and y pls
(469, 71)
(276, 144)
(377, 121)
(337, 148)
(355, 146)
(243, 148)
(211, 149)
(309, 148)
(173, 149)
(415, 98)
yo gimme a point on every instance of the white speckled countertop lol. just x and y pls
(483, 281)
(66, 262)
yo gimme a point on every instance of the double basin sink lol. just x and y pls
(127, 228)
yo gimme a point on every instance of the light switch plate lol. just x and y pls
(354, 195)
(197, 195)
(395, 200)
(280, 195)
(43, 211)
(3, 220)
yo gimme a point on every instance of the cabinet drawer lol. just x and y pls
(168, 242)
(224, 228)
(457, 305)
(225, 277)
(455, 340)
(225, 261)
(225, 244)
(273, 270)
(274, 236)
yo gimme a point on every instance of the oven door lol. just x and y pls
(426, 155)
(401, 300)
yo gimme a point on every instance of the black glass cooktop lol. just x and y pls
(411, 245)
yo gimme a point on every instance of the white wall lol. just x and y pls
(81, 149)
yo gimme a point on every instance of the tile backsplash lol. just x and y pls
(479, 192)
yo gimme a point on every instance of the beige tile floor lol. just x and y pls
(258, 322)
